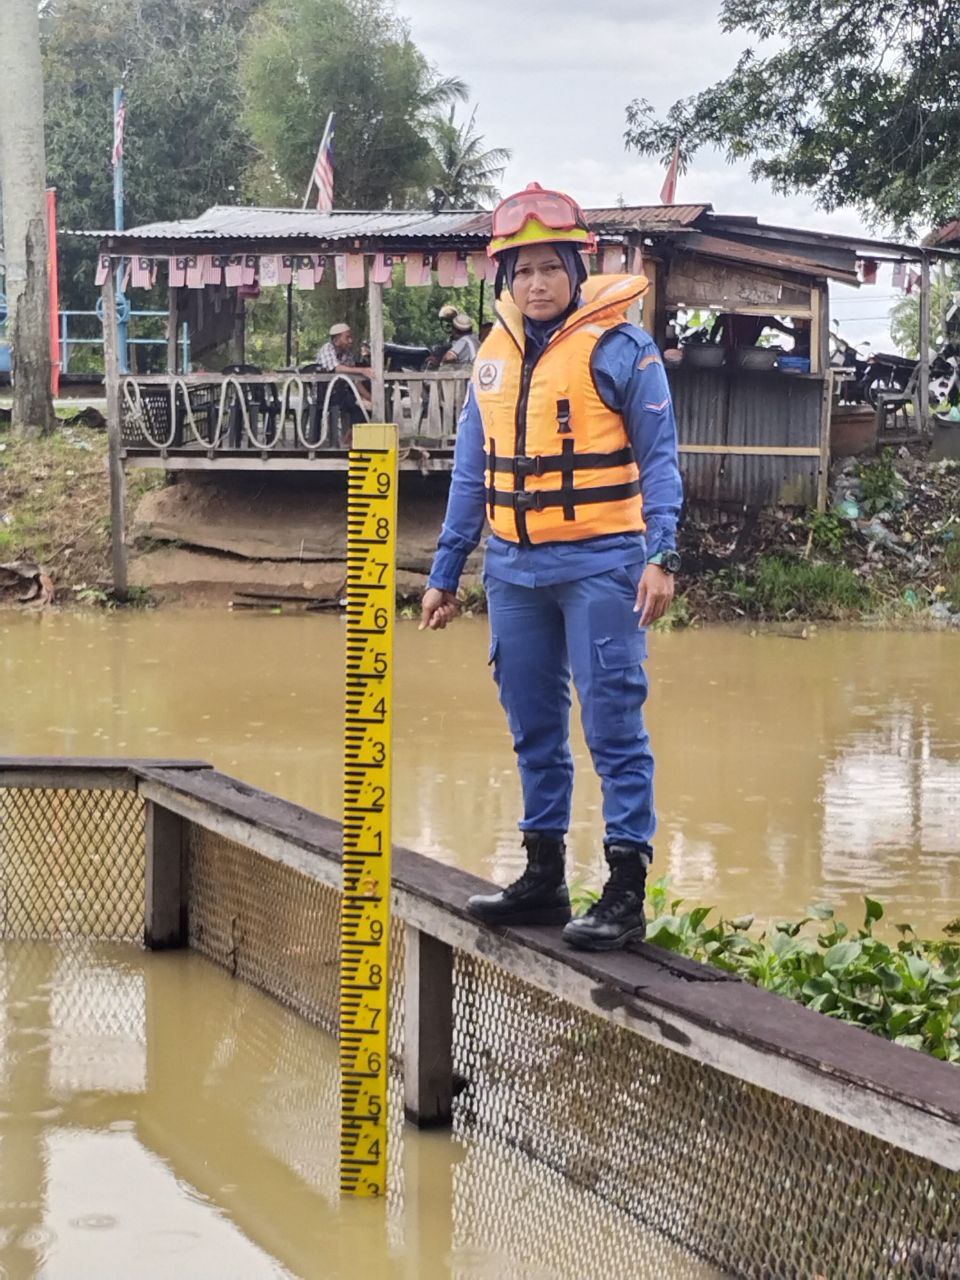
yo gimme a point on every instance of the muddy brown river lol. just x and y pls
(788, 770)
(159, 1119)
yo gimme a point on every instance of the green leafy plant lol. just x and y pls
(880, 483)
(829, 531)
(907, 991)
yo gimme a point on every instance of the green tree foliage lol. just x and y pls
(905, 315)
(411, 315)
(856, 102)
(306, 58)
(186, 146)
(465, 174)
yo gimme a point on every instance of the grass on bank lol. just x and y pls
(55, 504)
(908, 992)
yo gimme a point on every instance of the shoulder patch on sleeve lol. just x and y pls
(650, 358)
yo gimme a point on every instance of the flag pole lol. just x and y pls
(118, 226)
(313, 171)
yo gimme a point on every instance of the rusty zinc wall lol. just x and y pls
(732, 406)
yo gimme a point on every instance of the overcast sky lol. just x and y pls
(553, 78)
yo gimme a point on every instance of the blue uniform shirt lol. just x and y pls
(642, 397)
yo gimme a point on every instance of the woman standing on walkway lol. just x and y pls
(567, 445)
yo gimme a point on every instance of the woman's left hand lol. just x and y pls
(653, 594)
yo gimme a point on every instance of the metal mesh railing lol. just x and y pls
(658, 1146)
(71, 864)
(276, 928)
(759, 1185)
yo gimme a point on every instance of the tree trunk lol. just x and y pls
(23, 178)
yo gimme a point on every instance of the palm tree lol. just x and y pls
(23, 181)
(466, 174)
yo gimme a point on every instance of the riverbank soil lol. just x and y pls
(204, 535)
(54, 510)
(887, 550)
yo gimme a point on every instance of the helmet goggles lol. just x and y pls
(547, 211)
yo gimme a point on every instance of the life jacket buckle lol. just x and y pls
(524, 466)
(528, 500)
(563, 418)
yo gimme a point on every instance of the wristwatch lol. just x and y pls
(668, 561)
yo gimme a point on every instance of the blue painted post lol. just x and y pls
(119, 113)
(64, 342)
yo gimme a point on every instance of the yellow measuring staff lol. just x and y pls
(365, 909)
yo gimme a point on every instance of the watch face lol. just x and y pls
(671, 561)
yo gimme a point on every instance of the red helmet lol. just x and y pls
(538, 216)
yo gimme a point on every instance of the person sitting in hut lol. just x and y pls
(337, 356)
(465, 346)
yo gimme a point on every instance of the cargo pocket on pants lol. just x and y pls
(619, 685)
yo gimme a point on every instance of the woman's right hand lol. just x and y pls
(437, 609)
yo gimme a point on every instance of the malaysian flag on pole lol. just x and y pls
(119, 117)
(323, 171)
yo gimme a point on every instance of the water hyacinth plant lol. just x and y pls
(908, 991)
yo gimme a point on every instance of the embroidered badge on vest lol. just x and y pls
(489, 374)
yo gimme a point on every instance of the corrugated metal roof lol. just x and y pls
(738, 251)
(948, 234)
(646, 217)
(224, 222)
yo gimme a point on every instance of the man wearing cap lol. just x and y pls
(336, 356)
(567, 445)
(465, 346)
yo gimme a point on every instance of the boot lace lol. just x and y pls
(618, 896)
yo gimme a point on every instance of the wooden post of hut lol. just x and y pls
(378, 387)
(924, 374)
(173, 308)
(111, 379)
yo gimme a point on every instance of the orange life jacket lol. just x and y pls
(559, 462)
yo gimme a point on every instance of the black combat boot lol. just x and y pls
(538, 897)
(617, 917)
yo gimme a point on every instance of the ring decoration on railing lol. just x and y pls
(231, 383)
(122, 304)
(325, 415)
(138, 416)
(296, 383)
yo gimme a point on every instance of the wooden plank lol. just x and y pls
(696, 281)
(81, 773)
(440, 459)
(763, 450)
(923, 385)
(278, 830)
(823, 472)
(118, 485)
(173, 308)
(165, 919)
(375, 307)
(859, 1079)
(428, 1029)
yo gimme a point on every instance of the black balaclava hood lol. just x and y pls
(569, 254)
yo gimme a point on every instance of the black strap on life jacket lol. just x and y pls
(539, 499)
(567, 461)
(492, 461)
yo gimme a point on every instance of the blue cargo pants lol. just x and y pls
(539, 637)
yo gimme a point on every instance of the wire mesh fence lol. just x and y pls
(748, 1181)
(757, 1184)
(71, 864)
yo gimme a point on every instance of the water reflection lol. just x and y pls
(788, 770)
(158, 1118)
